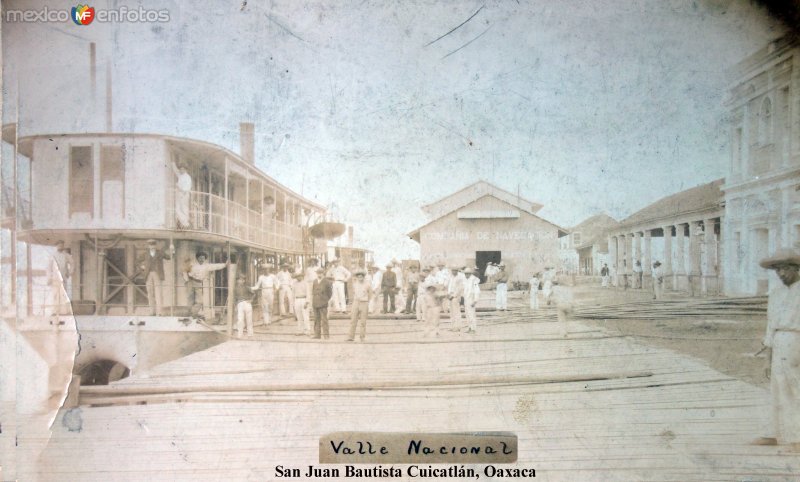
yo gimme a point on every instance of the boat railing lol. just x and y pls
(214, 214)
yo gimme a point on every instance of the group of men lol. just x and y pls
(638, 278)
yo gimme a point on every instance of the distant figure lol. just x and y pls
(432, 308)
(183, 195)
(340, 278)
(605, 274)
(321, 293)
(400, 300)
(472, 293)
(375, 278)
(267, 283)
(362, 292)
(783, 343)
(196, 279)
(490, 272)
(534, 291)
(501, 291)
(243, 300)
(562, 295)
(153, 268)
(388, 285)
(301, 298)
(59, 274)
(285, 291)
(658, 281)
(637, 275)
(412, 289)
(547, 286)
(443, 278)
(423, 282)
(455, 292)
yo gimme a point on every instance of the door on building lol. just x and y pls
(482, 258)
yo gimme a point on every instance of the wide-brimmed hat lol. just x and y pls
(657, 263)
(299, 274)
(319, 270)
(781, 256)
(201, 253)
(360, 272)
(468, 270)
(151, 241)
(426, 269)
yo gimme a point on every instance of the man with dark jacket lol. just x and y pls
(388, 288)
(153, 268)
(321, 293)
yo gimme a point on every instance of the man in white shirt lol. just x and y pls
(400, 301)
(375, 277)
(362, 293)
(267, 283)
(472, 293)
(183, 193)
(340, 277)
(783, 343)
(658, 281)
(197, 281)
(534, 291)
(443, 278)
(455, 291)
(285, 290)
(421, 285)
(302, 299)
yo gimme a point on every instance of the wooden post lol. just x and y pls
(231, 286)
(173, 255)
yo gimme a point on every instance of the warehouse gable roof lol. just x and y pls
(473, 192)
(415, 235)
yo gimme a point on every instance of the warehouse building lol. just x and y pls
(483, 223)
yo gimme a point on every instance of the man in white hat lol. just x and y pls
(472, 293)
(302, 298)
(443, 278)
(285, 296)
(455, 291)
(362, 292)
(501, 292)
(375, 278)
(783, 343)
(341, 276)
(153, 268)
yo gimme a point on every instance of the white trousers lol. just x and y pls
(501, 297)
(244, 314)
(534, 299)
(267, 299)
(785, 386)
(455, 313)
(469, 311)
(285, 294)
(154, 293)
(302, 316)
(339, 299)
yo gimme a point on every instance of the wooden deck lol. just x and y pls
(588, 407)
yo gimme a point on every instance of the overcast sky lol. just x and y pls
(583, 106)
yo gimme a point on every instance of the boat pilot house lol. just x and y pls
(483, 223)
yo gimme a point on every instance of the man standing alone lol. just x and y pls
(340, 278)
(783, 343)
(321, 293)
(388, 285)
(501, 293)
(153, 268)
(362, 292)
(472, 293)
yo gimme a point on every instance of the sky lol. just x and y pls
(582, 106)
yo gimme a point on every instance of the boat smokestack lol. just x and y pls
(247, 139)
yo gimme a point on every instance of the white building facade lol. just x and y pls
(762, 191)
